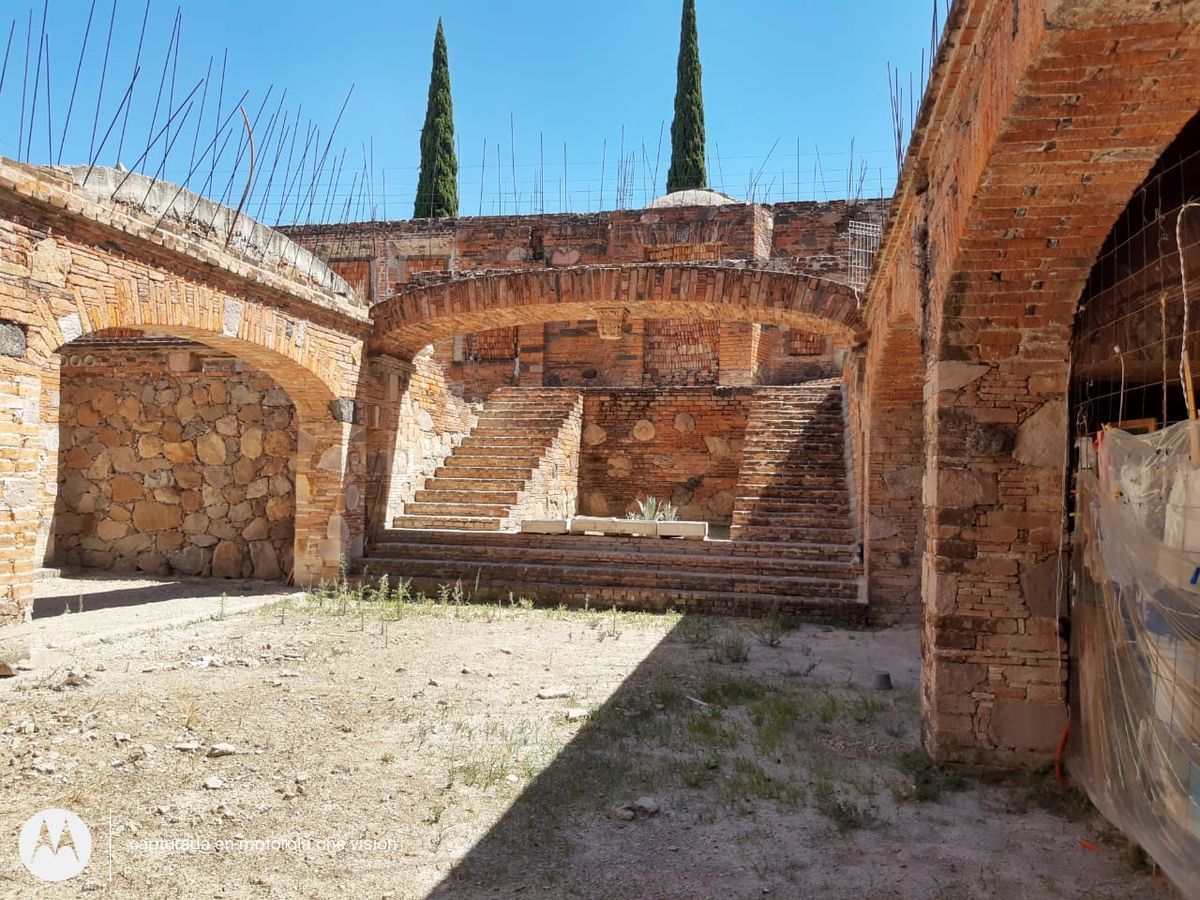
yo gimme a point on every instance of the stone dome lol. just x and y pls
(701, 197)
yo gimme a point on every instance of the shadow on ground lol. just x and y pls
(124, 593)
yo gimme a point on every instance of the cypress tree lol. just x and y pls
(687, 128)
(437, 187)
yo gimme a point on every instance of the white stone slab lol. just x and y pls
(689, 531)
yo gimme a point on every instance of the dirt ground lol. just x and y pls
(329, 746)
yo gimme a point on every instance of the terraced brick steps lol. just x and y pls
(486, 475)
(792, 484)
(813, 580)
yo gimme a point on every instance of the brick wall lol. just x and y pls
(778, 364)
(1021, 160)
(173, 461)
(575, 356)
(552, 489)
(677, 444)
(414, 420)
(810, 236)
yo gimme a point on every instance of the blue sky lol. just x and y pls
(793, 71)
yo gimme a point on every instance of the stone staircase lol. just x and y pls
(811, 580)
(792, 485)
(491, 473)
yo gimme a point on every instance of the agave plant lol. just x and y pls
(653, 510)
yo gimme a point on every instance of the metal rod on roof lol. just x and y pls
(37, 79)
(200, 118)
(74, 87)
(137, 63)
(116, 115)
(161, 132)
(335, 177)
(328, 144)
(220, 128)
(283, 139)
(25, 84)
(171, 94)
(162, 80)
(658, 155)
(288, 167)
(7, 47)
(249, 179)
(49, 109)
(482, 175)
(512, 150)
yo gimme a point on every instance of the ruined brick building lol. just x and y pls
(401, 395)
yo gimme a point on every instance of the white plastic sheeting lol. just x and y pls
(1136, 641)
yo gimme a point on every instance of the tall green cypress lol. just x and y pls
(687, 128)
(437, 188)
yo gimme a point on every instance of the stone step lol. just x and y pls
(468, 523)
(490, 474)
(643, 553)
(453, 495)
(560, 593)
(808, 517)
(511, 462)
(625, 576)
(484, 482)
(831, 493)
(456, 510)
(788, 533)
(504, 421)
(745, 550)
(484, 438)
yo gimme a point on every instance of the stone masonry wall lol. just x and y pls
(173, 461)
(677, 444)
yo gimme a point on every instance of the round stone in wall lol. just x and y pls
(594, 504)
(644, 430)
(210, 447)
(685, 423)
(594, 434)
(619, 466)
(720, 503)
(717, 446)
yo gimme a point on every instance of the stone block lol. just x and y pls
(693, 531)
(545, 526)
(1025, 725)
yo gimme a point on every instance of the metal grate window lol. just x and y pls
(864, 242)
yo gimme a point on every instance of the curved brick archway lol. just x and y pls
(1023, 158)
(71, 265)
(612, 294)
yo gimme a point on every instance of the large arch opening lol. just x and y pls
(1135, 614)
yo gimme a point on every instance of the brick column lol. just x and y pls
(995, 666)
(330, 502)
(21, 453)
(531, 347)
(892, 478)
(738, 353)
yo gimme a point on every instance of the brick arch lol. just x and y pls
(610, 294)
(71, 265)
(252, 332)
(1023, 158)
